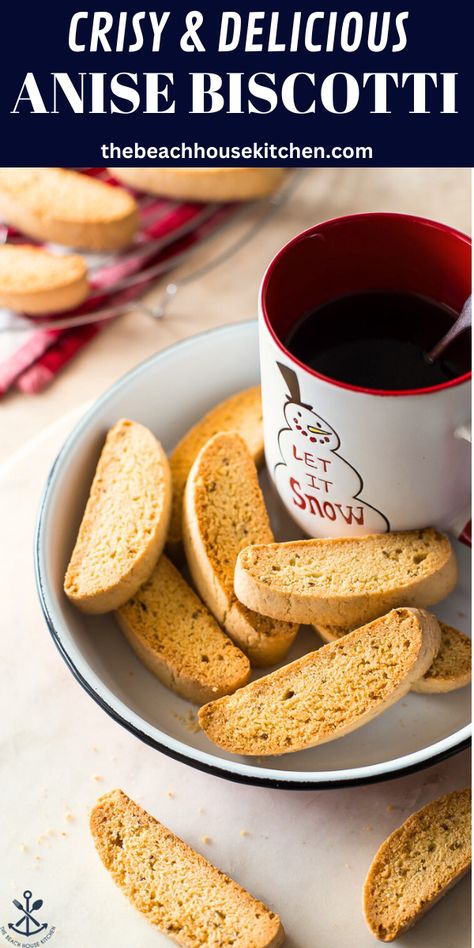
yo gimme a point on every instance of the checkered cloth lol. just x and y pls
(30, 360)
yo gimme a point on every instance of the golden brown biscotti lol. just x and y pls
(451, 669)
(346, 581)
(223, 511)
(203, 184)
(241, 412)
(34, 280)
(68, 208)
(178, 639)
(124, 525)
(417, 865)
(174, 887)
(329, 693)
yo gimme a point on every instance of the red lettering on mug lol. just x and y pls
(295, 455)
(329, 510)
(351, 514)
(298, 499)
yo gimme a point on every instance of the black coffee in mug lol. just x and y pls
(378, 340)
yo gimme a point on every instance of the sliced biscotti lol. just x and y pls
(329, 693)
(178, 639)
(124, 525)
(346, 581)
(34, 280)
(67, 207)
(203, 184)
(174, 887)
(223, 511)
(417, 865)
(241, 412)
(451, 668)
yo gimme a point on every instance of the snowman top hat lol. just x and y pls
(293, 384)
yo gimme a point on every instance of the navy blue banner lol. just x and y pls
(325, 84)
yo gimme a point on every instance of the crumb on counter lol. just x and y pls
(170, 794)
(244, 832)
(206, 839)
(97, 777)
(68, 817)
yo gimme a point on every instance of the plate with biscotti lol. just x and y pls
(194, 611)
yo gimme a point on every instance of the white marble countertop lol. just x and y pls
(303, 853)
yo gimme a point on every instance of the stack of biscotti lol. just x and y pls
(223, 511)
(193, 645)
(342, 582)
(65, 207)
(250, 593)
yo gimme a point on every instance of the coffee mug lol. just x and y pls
(347, 460)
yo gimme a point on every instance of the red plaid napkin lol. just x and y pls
(166, 230)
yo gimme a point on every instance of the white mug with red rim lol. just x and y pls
(346, 460)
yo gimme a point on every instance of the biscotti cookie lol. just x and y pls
(179, 640)
(124, 525)
(417, 865)
(67, 207)
(203, 184)
(34, 281)
(346, 581)
(329, 693)
(174, 887)
(223, 511)
(241, 412)
(451, 669)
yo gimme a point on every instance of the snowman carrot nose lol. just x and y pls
(317, 430)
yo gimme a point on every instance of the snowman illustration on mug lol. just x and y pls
(321, 482)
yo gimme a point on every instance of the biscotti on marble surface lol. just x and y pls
(124, 526)
(223, 511)
(174, 887)
(328, 693)
(417, 865)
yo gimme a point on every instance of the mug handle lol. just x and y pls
(465, 433)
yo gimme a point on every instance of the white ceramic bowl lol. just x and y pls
(169, 392)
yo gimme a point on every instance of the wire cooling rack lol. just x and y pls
(170, 235)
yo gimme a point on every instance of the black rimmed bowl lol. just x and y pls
(168, 393)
